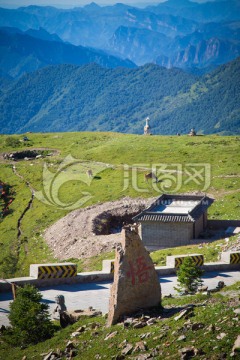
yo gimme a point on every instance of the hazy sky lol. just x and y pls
(73, 3)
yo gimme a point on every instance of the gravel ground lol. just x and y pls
(74, 236)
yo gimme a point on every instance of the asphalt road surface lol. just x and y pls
(81, 296)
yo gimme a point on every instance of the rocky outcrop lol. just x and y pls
(205, 53)
(140, 45)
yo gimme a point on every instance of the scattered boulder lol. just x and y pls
(236, 347)
(219, 287)
(186, 353)
(181, 338)
(221, 336)
(81, 329)
(185, 313)
(75, 334)
(53, 355)
(111, 335)
(70, 345)
(139, 324)
(151, 321)
(202, 288)
(140, 346)
(70, 317)
(127, 349)
(211, 328)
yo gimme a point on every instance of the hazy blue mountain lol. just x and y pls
(209, 46)
(140, 45)
(88, 26)
(73, 98)
(138, 34)
(216, 11)
(18, 18)
(43, 35)
(200, 54)
(22, 53)
(93, 25)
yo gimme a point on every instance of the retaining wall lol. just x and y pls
(222, 224)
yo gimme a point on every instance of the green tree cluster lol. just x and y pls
(29, 318)
(189, 276)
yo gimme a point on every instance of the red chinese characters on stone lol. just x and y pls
(138, 271)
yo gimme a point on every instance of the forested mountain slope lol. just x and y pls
(68, 97)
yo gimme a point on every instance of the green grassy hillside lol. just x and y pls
(113, 157)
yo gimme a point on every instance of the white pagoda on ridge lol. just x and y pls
(147, 128)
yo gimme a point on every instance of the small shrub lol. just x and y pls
(29, 318)
(189, 276)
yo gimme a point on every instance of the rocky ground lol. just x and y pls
(233, 247)
(186, 325)
(75, 235)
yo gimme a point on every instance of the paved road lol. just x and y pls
(81, 296)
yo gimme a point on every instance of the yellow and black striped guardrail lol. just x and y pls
(175, 261)
(56, 271)
(231, 257)
(235, 258)
(197, 259)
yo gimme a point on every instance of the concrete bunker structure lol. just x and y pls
(173, 220)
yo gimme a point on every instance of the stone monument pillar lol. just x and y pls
(136, 284)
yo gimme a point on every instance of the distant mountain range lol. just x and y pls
(176, 33)
(23, 52)
(212, 11)
(90, 97)
(107, 68)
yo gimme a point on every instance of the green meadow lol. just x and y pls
(119, 163)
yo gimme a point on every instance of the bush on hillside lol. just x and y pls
(189, 276)
(29, 318)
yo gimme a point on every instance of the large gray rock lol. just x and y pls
(136, 284)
